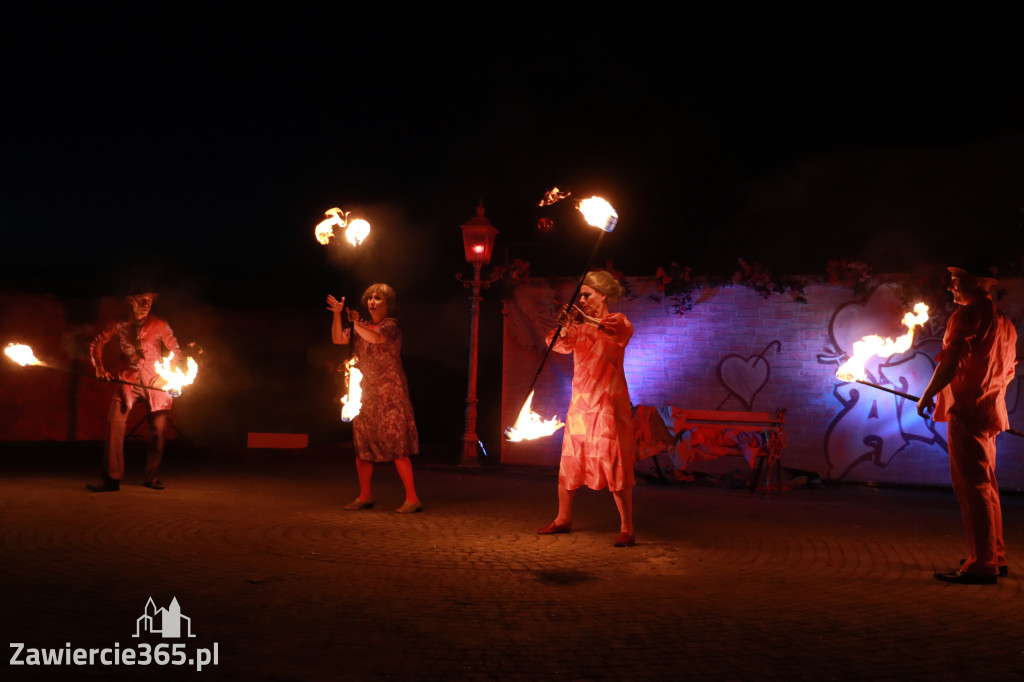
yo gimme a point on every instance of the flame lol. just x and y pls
(530, 426)
(325, 229)
(599, 213)
(21, 354)
(552, 196)
(871, 346)
(357, 231)
(352, 403)
(174, 380)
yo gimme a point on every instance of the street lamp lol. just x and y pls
(478, 239)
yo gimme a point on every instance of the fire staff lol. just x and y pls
(597, 447)
(141, 342)
(977, 361)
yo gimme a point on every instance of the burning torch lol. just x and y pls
(875, 346)
(600, 214)
(175, 379)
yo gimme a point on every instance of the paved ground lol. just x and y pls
(818, 584)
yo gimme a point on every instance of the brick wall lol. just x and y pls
(737, 351)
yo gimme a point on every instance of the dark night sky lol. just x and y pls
(205, 147)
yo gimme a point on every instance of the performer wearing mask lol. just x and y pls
(977, 361)
(142, 342)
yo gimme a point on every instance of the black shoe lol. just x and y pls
(962, 578)
(1003, 570)
(109, 485)
(154, 485)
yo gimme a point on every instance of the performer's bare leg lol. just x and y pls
(565, 499)
(404, 468)
(624, 502)
(364, 469)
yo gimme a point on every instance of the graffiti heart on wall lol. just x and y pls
(744, 377)
(872, 426)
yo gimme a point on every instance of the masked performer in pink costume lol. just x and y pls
(977, 361)
(385, 429)
(597, 447)
(141, 341)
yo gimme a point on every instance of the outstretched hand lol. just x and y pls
(334, 305)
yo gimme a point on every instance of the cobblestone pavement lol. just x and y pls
(816, 584)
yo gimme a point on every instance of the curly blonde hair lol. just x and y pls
(605, 283)
(388, 294)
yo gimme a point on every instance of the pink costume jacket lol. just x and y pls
(597, 447)
(141, 348)
(982, 342)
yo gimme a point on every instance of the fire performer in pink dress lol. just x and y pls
(597, 447)
(977, 361)
(385, 429)
(142, 341)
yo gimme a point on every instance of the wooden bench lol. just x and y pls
(770, 426)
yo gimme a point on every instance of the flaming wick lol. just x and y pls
(530, 425)
(599, 213)
(357, 231)
(871, 346)
(353, 402)
(325, 228)
(553, 196)
(21, 354)
(176, 381)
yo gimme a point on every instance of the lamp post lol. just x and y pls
(478, 239)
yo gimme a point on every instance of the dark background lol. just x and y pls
(197, 149)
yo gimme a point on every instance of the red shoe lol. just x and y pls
(554, 527)
(625, 540)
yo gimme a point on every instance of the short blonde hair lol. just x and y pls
(605, 283)
(389, 295)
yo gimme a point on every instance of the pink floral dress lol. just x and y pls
(597, 447)
(384, 429)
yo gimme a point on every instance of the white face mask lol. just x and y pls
(141, 305)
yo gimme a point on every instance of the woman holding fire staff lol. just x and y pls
(384, 430)
(597, 446)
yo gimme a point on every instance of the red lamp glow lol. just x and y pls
(478, 238)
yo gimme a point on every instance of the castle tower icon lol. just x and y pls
(167, 622)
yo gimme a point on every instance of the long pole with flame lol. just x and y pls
(872, 346)
(597, 213)
(875, 346)
(175, 380)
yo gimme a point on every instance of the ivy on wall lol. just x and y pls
(678, 283)
(927, 284)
